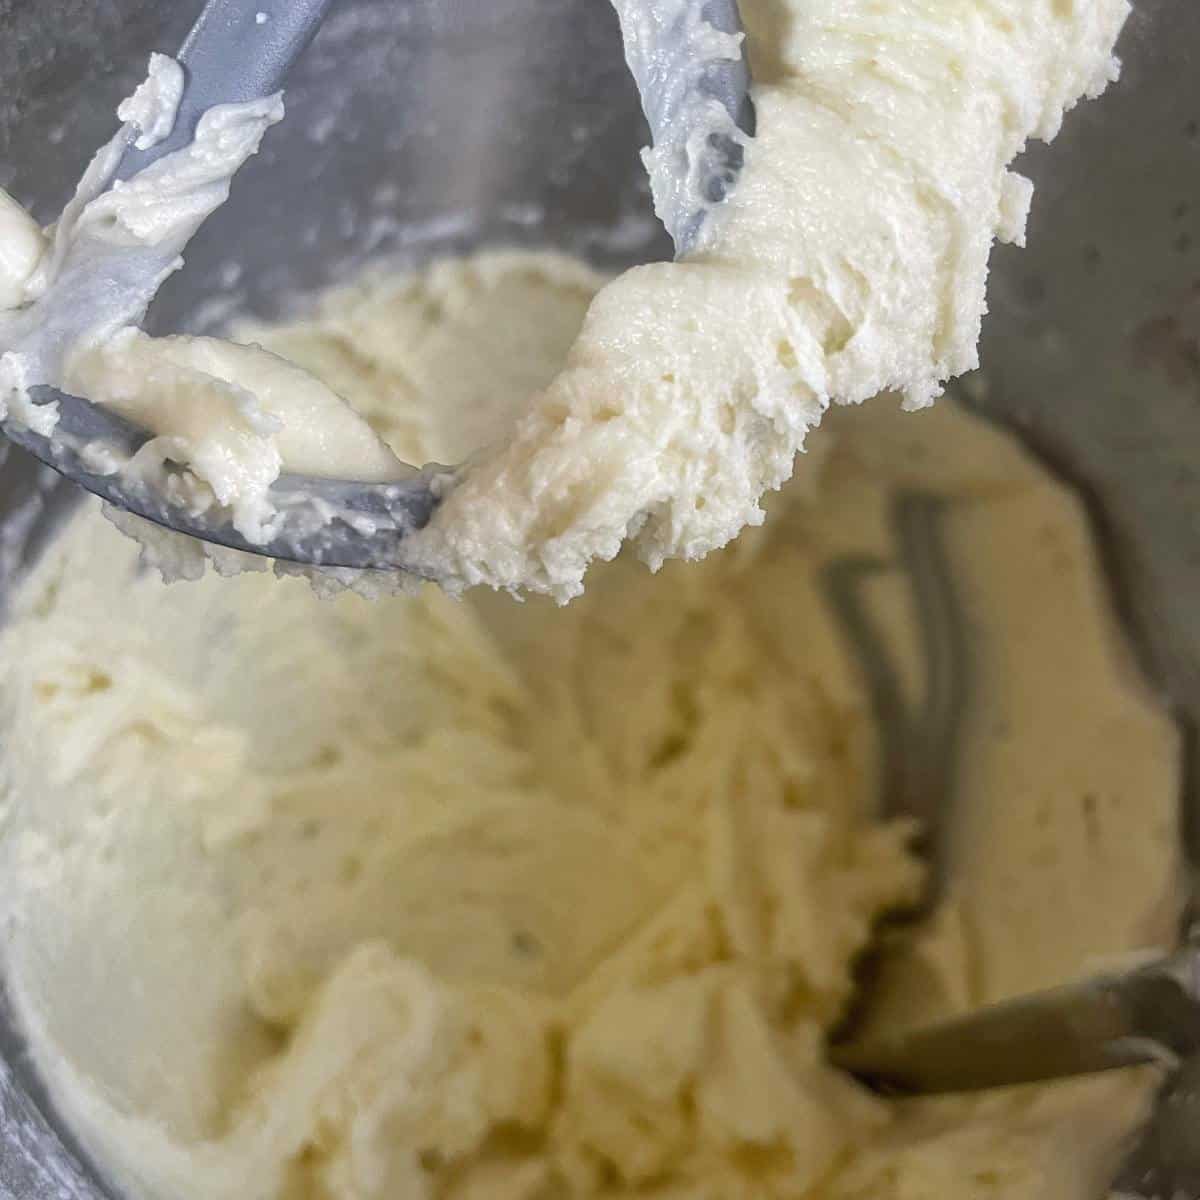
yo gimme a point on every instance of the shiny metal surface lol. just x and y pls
(1143, 1015)
(1092, 348)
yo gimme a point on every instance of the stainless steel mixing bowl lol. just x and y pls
(421, 126)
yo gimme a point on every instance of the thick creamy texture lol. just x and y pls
(238, 412)
(155, 103)
(22, 245)
(485, 901)
(850, 259)
(232, 414)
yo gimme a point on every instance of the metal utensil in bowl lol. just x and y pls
(548, 137)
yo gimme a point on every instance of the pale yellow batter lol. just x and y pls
(849, 260)
(486, 901)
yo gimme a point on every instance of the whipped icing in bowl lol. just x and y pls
(467, 898)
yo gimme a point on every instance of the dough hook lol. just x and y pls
(240, 50)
